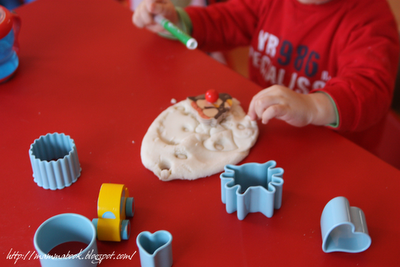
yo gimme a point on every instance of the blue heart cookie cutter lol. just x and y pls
(343, 228)
(252, 187)
(155, 250)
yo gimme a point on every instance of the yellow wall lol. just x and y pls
(395, 5)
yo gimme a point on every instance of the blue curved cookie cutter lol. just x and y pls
(252, 187)
(155, 250)
(64, 228)
(343, 228)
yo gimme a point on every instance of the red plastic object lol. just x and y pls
(212, 96)
(6, 21)
(9, 20)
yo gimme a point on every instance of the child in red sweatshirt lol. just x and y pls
(321, 62)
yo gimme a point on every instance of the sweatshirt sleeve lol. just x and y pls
(224, 25)
(363, 58)
(366, 66)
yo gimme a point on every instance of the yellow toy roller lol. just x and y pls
(113, 207)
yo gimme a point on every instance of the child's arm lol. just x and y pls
(296, 109)
(143, 17)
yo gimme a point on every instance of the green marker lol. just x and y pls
(187, 40)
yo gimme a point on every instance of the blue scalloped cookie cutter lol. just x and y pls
(54, 161)
(252, 187)
(343, 228)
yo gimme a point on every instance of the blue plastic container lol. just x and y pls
(10, 24)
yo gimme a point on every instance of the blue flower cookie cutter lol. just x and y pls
(252, 187)
(343, 228)
(54, 160)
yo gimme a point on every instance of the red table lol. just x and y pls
(86, 71)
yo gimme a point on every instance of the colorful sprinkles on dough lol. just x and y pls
(210, 112)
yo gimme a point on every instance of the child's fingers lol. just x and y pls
(142, 19)
(264, 99)
(273, 111)
(155, 28)
(157, 7)
(264, 103)
(257, 105)
(251, 112)
(144, 13)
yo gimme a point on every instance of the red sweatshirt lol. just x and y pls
(346, 48)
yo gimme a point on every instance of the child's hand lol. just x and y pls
(143, 17)
(296, 109)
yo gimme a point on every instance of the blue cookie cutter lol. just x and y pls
(155, 250)
(63, 228)
(343, 228)
(252, 187)
(54, 161)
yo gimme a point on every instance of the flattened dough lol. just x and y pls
(178, 146)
